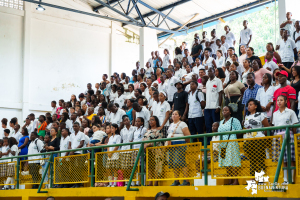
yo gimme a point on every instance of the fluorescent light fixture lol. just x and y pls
(40, 8)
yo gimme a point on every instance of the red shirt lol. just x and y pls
(287, 91)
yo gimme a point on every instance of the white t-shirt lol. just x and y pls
(187, 77)
(113, 96)
(226, 45)
(34, 148)
(148, 72)
(252, 122)
(178, 131)
(151, 62)
(196, 69)
(230, 39)
(116, 118)
(213, 87)
(171, 89)
(272, 65)
(290, 27)
(64, 144)
(298, 42)
(16, 150)
(145, 114)
(178, 74)
(223, 49)
(190, 59)
(17, 136)
(76, 139)
(166, 59)
(120, 100)
(127, 136)
(4, 149)
(220, 62)
(114, 140)
(138, 136)
(214, 45)
(287, 50)
(179, 57)
(160, 112)
(245, 35)
(195, 109)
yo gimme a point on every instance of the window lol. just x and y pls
(16, 4)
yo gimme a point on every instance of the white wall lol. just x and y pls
(58, 52)
(148, 43)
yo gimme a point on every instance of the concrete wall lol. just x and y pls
(50, 55)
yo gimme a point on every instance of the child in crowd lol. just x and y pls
(13, 151)
(270, 64)
(4, 154)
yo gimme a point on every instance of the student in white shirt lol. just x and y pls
(282, 117)
(120, 99)
(112, 164)
(170, 87)
(198, 66)
(296, 35)
(245, 36)
(188, 76)
(64, 141)
(288, 50)
(76, 139)
(139, 111)
(208, 62)
(223, 42)
(289, 24)
(35, 147)
(196, 104)
(16, 134)
(221, 47)
(149, 70)
(152, 59)
(178, 71)
(220, 60)
(178, 54)
(187, 55)
(166, 59)
(113, 94)
(53, 105)
(270, 64)
(116, 114)
(230, 39)
(213, 41)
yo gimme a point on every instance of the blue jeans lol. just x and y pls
(210, 117)
(196, 126)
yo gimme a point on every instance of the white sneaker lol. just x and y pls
(285, 183)
(24, 173)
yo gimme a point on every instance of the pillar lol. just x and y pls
(112, 53)
(148, 43)
(26, 60)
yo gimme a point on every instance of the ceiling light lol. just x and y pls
(40, 8)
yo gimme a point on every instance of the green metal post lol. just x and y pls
(51, 170)
(133, 171)
(268, 133)
(44, 175)
(280, 161)
(288, 140)
(142, 165)
(18, 173)
(92, 168)
(205, 161)
(191, 140)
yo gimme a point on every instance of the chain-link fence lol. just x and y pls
(174, 162)
(297, 153)
(72, 169)
(241, 158)
(31, 171)
(8, 173)
(116, 166)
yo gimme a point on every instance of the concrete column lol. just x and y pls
(26, 60)
(112, 53)
(148, 43)
(285, 6)
(281, 11)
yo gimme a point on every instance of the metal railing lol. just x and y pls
(50, 166)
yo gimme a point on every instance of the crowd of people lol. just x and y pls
(206, 88)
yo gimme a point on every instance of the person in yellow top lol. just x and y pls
(90, 114)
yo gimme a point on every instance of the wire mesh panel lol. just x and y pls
(174, 162)
(16, 4)
(241, 158)
(116, 165)
(31, 171)
(8, 171)
(297, 153)
(72, 169)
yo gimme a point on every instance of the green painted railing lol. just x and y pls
(141, 153)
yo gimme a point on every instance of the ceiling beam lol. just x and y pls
(217, 16)
(101, 6)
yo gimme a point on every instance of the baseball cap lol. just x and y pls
(283, 73)
(162, 194)
(178, 81)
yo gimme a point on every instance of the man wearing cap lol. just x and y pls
(285, 90)
(162, 196)
(196, 49)
(180, 100)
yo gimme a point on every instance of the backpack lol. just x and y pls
(197, 97)
(294, 35)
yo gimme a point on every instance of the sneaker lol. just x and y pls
(24, 173)
(185, 183)
(285, 183)
(175, 183)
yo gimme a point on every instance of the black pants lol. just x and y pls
(34, 171)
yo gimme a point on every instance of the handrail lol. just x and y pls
(163, 140)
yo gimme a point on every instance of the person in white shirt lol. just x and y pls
(220, 60)
(127, 134)
(149, 70)
(140, 111)
(296, 35)
(178, 54)
(35, 147)
(279, 40)
(289, 24)
(198, 66)
(166, 59)
(230, 39)
(34, 122)
(120, 99)
(188, 56)
(152, 59)
(223, 42)
(203, 40)
(213, 42)
(53, 105)
(76, 139)
(282, 117)
(208, 62)
(17, 134)
(245, 36)
(221, 47)
(196, 103)
(270, 64)
(288, 50)
(170, 87)
(113, 94)
(64, 141)
(244, 54)
(214, 91)
(178, 71)
(116, 114)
